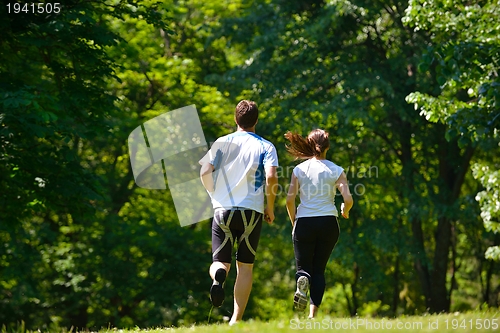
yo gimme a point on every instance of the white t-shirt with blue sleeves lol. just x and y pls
(239, 161)
(317, 187)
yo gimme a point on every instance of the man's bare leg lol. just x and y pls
(242, 288)
(216, 265)
(218, 272)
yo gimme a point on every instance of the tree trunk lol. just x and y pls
(439, 300)
(395, 294)
(354, 289)
(421, 262)
(453, 166)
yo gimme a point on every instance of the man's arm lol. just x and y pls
(206, 176)
(343, 187)
(271, 191)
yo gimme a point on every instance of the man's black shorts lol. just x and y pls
(240, 224)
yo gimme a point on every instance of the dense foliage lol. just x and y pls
(409, 92)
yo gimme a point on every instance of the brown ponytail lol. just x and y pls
(312, 146)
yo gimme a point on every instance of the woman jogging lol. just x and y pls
(315, 225)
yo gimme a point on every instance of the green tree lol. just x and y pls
(465, 56)
(54, 101)
(347, 66)
(162, 279)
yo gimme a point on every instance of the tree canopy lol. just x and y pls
(408, 90)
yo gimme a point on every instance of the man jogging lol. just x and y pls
(233, 172)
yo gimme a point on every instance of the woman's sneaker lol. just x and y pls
(300, 296)
(217, 289)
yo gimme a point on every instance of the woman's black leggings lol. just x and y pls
(313, 241)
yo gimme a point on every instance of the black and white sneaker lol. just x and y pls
(300, 296)
(217, 289)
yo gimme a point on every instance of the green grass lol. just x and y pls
(474, 321)
(478, 321)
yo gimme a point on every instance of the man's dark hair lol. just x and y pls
(246, 114)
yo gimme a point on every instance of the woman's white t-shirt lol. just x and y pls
(317, 187)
